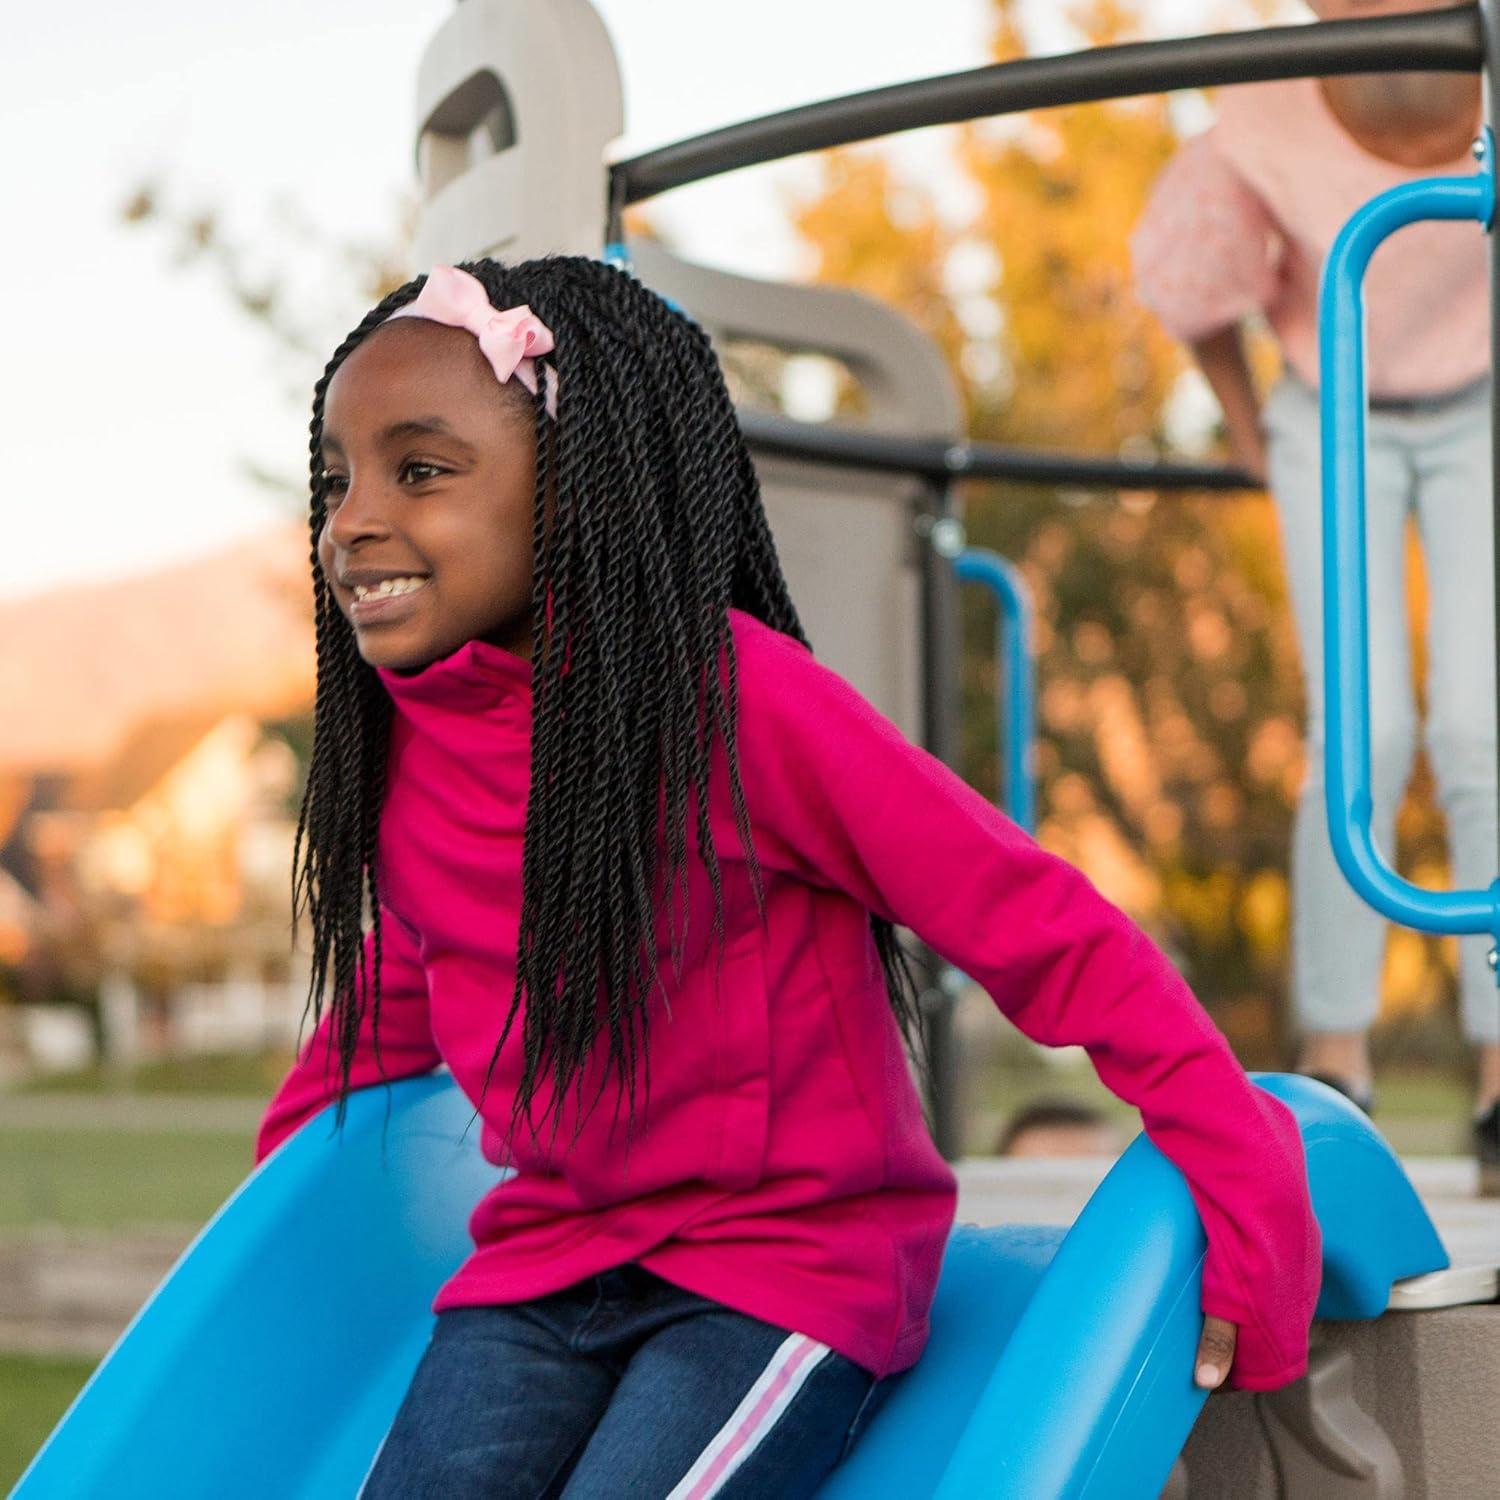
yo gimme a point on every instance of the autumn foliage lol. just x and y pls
(1169, 687)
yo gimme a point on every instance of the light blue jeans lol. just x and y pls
(1434, 465)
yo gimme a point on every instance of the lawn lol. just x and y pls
(34, 1393)
(1421, 1112)
(91, 1178)
(108, 1179)
(244, 1074)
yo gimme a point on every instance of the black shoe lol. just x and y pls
(1487, 1150)
(1363, 1099)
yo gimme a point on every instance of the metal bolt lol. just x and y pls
(1478, 148)
(948, 536)
(958, 457)
(1493, 959)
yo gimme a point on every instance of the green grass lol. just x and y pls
(102, 1179)
(250, 1074)
(1420, 1111)
(34, 1393)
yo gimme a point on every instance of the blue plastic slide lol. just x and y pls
(271, 1360)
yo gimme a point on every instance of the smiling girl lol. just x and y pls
(633, 860)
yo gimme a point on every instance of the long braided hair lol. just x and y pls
(656, 529)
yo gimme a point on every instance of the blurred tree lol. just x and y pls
(1169, 710)
(271, 289)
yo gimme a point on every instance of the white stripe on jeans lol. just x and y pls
(365, 1482)
(753, 1418)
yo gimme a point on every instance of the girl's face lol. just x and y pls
(431, 465)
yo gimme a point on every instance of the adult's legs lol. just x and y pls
(1338, 942)
(1454, 510)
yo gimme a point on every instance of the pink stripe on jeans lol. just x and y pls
(738, 1444)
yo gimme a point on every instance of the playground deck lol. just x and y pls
(1052, 1190)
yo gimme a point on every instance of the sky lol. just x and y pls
(133, 394)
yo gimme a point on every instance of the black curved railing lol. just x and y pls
(1449, 40)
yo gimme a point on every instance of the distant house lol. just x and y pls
(19, 912)
(147, 806)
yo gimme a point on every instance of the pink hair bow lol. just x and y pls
(509, 338)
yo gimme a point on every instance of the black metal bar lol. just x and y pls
(940, 658)
(933, 458)
(1450, 40)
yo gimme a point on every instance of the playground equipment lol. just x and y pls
(853, 561)
(1016, 729)
(1060, 1361)
(1345, 597)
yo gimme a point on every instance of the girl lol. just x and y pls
(564, 711)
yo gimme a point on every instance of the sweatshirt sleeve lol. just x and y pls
(1206, 248)
(839, 797)
(406, 1044)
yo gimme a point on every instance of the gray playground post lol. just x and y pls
(518, 103)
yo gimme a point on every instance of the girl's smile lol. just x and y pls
(429, 475)
(379, 605)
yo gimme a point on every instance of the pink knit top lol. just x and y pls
(783, 1167)
(1242, 218)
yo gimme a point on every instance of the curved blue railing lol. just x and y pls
(1016, 710)
(1346, 668)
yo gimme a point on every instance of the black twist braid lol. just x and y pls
(656, 528)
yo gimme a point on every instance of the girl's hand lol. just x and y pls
(1215, 1352)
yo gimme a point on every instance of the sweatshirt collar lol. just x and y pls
(476, 675)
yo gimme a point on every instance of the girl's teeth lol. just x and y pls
(389, 586)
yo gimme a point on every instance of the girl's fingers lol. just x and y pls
(1215, 1352)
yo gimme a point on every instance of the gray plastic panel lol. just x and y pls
(517, 103)
(1430, 1380)
(845, 538)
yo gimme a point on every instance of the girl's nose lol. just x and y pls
(358, 514)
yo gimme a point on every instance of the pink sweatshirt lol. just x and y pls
(784, 1168)
(1243, 217)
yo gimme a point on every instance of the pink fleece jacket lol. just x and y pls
(784, 1168)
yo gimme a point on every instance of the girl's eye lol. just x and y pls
(414, 471)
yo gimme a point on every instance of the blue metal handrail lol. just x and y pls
(1016, 710)
(1345, 595)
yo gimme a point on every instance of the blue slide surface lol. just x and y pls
(272, 1358)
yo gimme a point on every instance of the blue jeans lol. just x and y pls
(621, 1386)
(1433, 467)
